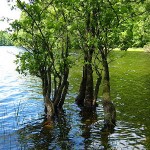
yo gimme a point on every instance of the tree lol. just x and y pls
(141, 25)
(49, 29)
(86, 30)
(105, 25)
(5, 39)
(93, 38)
(42, 32)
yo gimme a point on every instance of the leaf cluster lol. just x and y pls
(45, 25)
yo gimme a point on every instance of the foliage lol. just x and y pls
(45, 38)
(5, 39)
(147, 48)
(115, 23)
(50, 30)
(42, 37)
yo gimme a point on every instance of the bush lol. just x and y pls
(147, 48)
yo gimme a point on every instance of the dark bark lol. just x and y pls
(61, 92)
(86, 92)
(88, 101)
(106, 81)
(52, 105)
(98, 83)
(80, 98)
(64, 93)
(53, 102)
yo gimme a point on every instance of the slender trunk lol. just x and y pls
(46, 85)
(64, 93)
(98, 82)
(63, 85)
(88, 101)
(66, 72)
(106, 81)
(80, 98)
(109, 108)
(61, 92)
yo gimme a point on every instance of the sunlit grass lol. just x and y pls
(131, 49)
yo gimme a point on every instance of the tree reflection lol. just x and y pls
(40, 137)
(80, 131)
(89, 117)
(90, 127)
(35, 137)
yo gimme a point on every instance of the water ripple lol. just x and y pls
(21, 118)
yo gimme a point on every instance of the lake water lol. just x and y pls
(21, 118)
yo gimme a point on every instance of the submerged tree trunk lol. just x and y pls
(98, 83)
(86, 92)
(54, 103)
(62, 91)
(50, 111)
(80, 98)
(49, 106)
(109, 108)
(46, 86)
(89, 97)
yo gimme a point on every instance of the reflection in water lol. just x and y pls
(89, 117)
(90, 127)
(22, 119)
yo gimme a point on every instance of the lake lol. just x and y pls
(22, 117)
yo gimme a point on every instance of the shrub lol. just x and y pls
(147, 48)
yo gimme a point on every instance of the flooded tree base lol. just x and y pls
(109, 115)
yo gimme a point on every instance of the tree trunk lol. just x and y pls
(98, 82)
(46, 86)
(89, 98)
(109, 108)
(80, 98)
(50, 111)
(86, 92)
(62, 91)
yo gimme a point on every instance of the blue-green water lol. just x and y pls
(21, 118)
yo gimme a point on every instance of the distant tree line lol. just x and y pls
(5, 39)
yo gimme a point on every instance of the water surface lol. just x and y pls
(21, 118)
